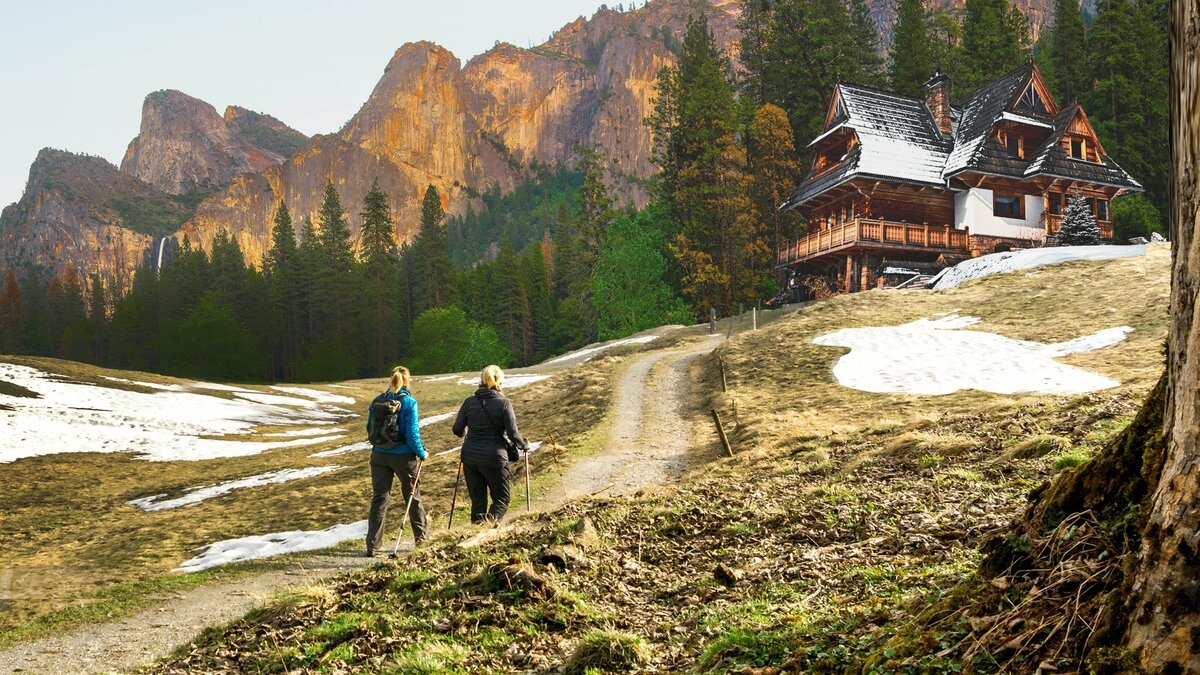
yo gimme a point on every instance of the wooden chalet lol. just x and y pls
(926, 181)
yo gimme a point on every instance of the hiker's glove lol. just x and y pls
(421, 455)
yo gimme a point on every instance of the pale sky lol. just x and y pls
(73, 73)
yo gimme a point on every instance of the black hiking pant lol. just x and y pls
(384, 467)
(482, 480)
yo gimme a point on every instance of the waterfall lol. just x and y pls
(158, 259)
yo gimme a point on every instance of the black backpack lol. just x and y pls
(385, 431)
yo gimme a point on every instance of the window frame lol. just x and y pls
(1018, 200)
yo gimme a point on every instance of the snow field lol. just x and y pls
(937, 357)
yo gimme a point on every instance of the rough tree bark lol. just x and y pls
(1164, 630)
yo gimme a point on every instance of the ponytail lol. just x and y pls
(399, 374)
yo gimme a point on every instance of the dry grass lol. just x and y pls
(780, 383)
(67, 515)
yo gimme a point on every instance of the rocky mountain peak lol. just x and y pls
(185, 146)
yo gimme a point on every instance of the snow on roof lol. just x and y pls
(979, 111)
(899, 138)
(937, 357)
(159, 426)
(1011, 261)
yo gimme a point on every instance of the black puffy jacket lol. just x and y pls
(489, 417)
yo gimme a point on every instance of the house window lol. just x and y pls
(1077, 148)
(1008, 206)
(1015, 147)
(1099, 208)
(1054, 203)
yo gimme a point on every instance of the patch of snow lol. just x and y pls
(510, 381)
(216, 387)
(939, 357)
(434, 419)
(1011, 261)
(276, 543)
(157, 426)
(197, 495)
(439, 378)
(315, 394)
(584, 355)
(342, 450)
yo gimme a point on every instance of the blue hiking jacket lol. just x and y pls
(408, 424)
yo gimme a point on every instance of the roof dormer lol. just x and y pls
(1034, 98)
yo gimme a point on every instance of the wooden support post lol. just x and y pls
(721, 432)
(721, 361)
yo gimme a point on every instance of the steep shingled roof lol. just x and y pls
(1050, 159)
(899, 141)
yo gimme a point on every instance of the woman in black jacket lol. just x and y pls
(485, 457)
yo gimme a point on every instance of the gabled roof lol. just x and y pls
(898, 139)
(1050, 159)
(980, 111)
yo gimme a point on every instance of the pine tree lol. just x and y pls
(282, 268)
(817, 43)
(380, 300)
(1079, 227)
(536, 286)
(1128, 101)
(334, 290)
(12, 318)
(434, 283)
(774, 171)
(1067, 56)
(995, 39)
(912, 58)
(98, 318)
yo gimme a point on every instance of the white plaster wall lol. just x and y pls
(973, 210)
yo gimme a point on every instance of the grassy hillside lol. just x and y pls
(840, 516)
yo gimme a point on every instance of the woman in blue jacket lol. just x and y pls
(401, 460)
(490, 418)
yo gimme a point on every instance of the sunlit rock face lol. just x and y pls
(185, 145)
(431, 120)
(72, 220)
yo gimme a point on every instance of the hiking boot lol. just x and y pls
(370, 553)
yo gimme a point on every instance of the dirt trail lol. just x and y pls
(652, 439)
(649, 444)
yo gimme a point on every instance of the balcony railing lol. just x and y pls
(877, 232)
(1053, 222)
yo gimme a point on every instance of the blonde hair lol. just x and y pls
(491, 377)
(399, 378)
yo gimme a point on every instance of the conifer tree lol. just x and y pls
(995, 40)
(98, 318)
(817, 43)
(774, 171)
(1079, 227)
(334, 290)
(12, 317)
(434, 281)
(513, 319)
(1128, 101)
(1067, 58)
(536, 286)
(380, 301)
(912, 60)
(282, 268)
(309, 255)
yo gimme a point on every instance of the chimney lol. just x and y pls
(937, 98)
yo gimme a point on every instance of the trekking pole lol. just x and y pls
(528, 507)
(411, 495)
(455, 497)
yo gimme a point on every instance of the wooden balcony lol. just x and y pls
(1053, 222)
(875, 235)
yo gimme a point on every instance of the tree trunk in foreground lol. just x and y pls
(1164, 628)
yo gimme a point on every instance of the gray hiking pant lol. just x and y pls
(481, 480)
(385, 466)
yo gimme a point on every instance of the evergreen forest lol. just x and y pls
(557, 264)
